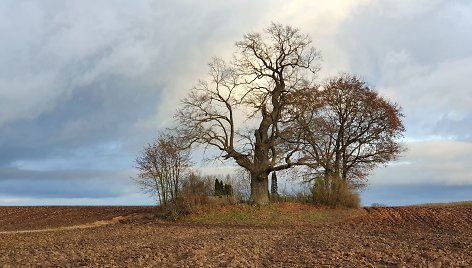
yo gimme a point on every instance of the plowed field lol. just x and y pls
(129, 236)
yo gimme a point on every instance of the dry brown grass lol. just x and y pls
(278, 213)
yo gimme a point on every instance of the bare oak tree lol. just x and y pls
(256, 85)
(347, 129)
(162, 168)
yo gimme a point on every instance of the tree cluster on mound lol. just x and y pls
(266, 111)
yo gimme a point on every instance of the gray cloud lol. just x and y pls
(102, 115)
(455, 126)
(65, 183)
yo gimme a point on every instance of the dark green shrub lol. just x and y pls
(228, 190)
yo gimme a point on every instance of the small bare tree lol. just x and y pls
(162, 167)
(256, 85)
(347, 129)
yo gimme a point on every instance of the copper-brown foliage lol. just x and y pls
(347, 128)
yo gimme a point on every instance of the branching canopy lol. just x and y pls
(348, 129)
(240, 109)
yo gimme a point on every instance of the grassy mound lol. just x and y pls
(273, 214)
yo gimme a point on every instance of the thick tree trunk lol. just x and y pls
(259, 189)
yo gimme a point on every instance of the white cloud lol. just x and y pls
(436, 162)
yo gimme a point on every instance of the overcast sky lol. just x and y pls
(85, 84)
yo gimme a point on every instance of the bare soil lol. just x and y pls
(376, 237)
(40, 217)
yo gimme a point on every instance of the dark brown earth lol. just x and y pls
(380, 237)
(40, 217)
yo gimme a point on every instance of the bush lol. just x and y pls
(172, 211)
(334, 192)
(194, 192)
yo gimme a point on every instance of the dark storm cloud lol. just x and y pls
(74, 144)
(103, 112)
(63, 183)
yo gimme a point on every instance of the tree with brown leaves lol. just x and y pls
(347, 129)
